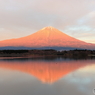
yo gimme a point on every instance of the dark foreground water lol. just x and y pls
(47, 77)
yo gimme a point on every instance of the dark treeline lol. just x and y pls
(78, 53)
(67, 54)
(12, 51)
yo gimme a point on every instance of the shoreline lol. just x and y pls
(47, 54)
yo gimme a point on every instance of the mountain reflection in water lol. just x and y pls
(42, 77)
(47, 72)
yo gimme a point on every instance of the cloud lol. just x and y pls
(88, 19)
(81, 32)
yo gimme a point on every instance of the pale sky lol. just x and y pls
(20, 18)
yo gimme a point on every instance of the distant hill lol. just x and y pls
(39, 48)
(47, 37)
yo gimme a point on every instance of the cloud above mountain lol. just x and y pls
(20, 18)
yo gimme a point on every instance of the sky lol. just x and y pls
(19, 18)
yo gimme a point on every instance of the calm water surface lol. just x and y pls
(47, 77)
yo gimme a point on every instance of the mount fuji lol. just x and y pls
(46, 38)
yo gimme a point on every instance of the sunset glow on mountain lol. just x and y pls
(47, 37)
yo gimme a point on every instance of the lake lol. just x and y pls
(22, 76)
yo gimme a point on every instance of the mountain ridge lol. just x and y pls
(47, 37)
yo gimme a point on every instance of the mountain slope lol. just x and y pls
(47, 37)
